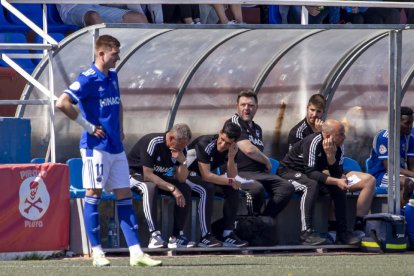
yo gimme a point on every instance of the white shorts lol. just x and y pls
(103, 170)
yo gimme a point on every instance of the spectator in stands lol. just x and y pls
(152, 11)
(410, 15)
(252, 163)
(318, 15)
(206, 154)
(382, 16)
(352, 15)
(311, 124)
(208, 15)
(236, 10)
(360, 15)
(378, 161)
(150, 159)
(290, 14)
(83, 15)
(306, 163)
(188, 14)
(104, 161)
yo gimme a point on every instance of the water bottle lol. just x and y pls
(409, 218)
(112, 234)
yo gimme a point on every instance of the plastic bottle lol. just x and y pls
(409, 218)
(112, 234)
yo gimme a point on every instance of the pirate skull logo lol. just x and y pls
(34, 198)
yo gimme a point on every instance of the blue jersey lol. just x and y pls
(99, 101)
(379, 152)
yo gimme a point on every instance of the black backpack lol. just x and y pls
(257, 230)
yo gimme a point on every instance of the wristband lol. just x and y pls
(230, 181)
(90, 128)
(173, 190)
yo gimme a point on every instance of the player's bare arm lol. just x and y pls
(254, 153)
(405, 172)
(64, 103)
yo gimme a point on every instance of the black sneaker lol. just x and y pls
(180, 241)
(233, 241)
(209, 241)
(156, 240)
(347, 237)
(311, 237)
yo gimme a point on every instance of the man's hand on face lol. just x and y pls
(318, 125)
(178, 155)
(329, 146)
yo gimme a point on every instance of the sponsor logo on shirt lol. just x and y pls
(110, 101)
(161, 169)
(255, 141)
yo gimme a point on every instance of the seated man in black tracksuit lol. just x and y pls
(253, 164)
(205, 154)
(305, 163)
(149, 160)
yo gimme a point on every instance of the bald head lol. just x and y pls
(334, 129)
(330, 125)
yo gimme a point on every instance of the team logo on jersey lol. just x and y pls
(101, 89)
(297, 175)
(257, 133)
(382, 149)
(75, 86)
(34, 198)
(159, 159)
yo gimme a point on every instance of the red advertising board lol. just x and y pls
(34, 207)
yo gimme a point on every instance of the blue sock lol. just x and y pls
(91, 219)
(127, 221)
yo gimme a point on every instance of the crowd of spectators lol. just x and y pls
(83, 15)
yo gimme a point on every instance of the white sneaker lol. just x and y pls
(100, 260)
(156, 240)
(232, 22)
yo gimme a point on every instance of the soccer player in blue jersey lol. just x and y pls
(105, 165)
(378, 161)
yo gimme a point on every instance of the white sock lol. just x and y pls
(135, 251)
(97, 250)
(227, 232)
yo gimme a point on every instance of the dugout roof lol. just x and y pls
(173, 73)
